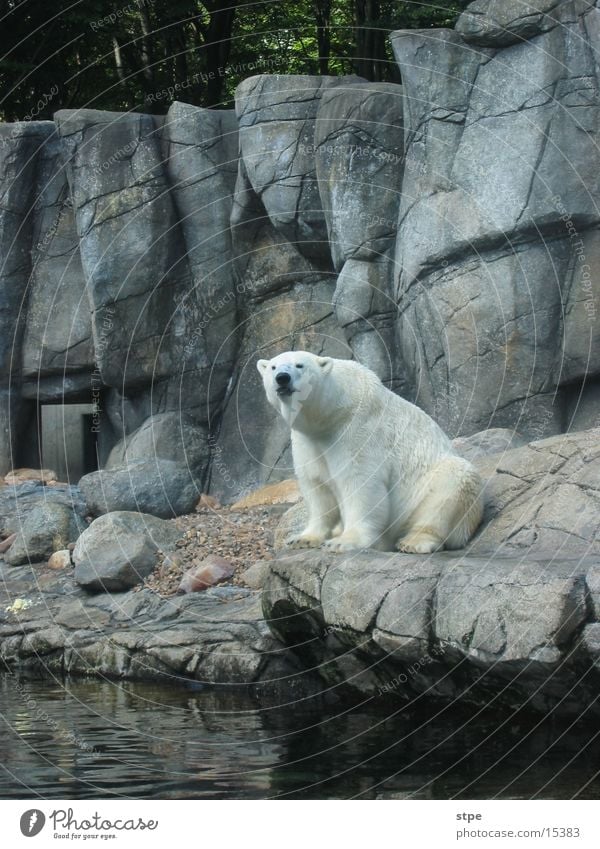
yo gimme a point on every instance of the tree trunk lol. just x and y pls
(370, 40)
(218, 47)
(322, 12)
(147, 56)
(118, 58)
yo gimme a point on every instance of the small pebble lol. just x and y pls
(60, 559)
(6, 543)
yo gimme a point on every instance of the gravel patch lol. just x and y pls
(242, 537)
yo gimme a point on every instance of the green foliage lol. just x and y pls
(143, 54)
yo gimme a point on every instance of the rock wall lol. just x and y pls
(444, 232)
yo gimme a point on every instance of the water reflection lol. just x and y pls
(90, 738)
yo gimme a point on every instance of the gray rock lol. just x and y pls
(364, 308)
(489, 23)
(159, 487)
(359, 154)
(229, 663)
(202, 169)
(459, 279)
(16, 502)
(138, 634)
(486, 611)
(58, 335)
(256, 575)
(131, 248)
(404, 626)
(118, 550)
(353, 587)
(157, 469)
(284, 569)
(543, 498)
(20, 146)
(277, 116)
(496, 440)
(46, 528)
(164, 436)
(399, 625)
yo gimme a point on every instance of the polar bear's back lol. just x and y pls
(386, 421)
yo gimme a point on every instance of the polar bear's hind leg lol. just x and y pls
(448, 511)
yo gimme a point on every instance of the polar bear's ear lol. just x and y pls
(261, 365)
(326, 363)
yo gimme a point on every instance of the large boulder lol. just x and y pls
(118, 550)
(46, 528)
(543, 498)
(17, 501)
(447, 626)
(165, 436)
(157, 469)
(509, 613)
(158, 487)
(495, 440)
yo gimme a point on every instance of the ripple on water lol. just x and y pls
(90, 738)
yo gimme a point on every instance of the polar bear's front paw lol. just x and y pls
(419, 544)
(303, 541)
(339, 544)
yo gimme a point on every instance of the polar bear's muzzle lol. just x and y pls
(283, 379)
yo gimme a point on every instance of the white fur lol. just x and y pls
(375, 470)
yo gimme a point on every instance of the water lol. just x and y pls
(89, 738)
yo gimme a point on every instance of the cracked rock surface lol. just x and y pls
(216, 637)
(514, 616)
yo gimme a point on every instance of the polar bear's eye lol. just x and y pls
(273, 368)
(299, 365)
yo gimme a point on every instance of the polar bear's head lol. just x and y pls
(293, 381)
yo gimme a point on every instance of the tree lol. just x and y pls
(144, 54)
(370, 40)
(322, 13)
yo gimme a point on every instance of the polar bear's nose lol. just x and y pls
(282, 378)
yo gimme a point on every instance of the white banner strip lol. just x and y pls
(301, 824)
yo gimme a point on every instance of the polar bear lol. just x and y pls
(375, 470)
